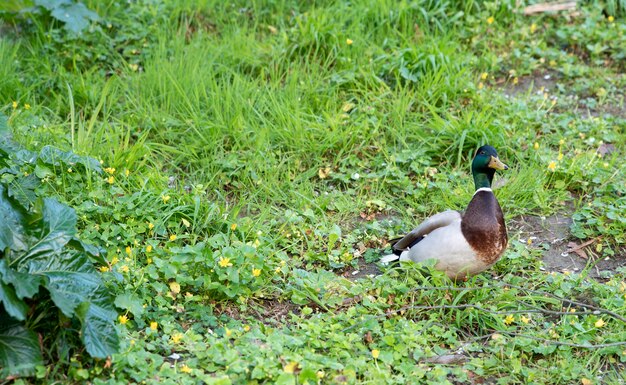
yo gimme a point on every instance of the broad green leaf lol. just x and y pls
(19, 349)
(77, 290)
(25, 285)
(71, 279)
(43, 171)
(52, 4)
(22, 189)
(13, 305)
(131, 302)
(58, 228)
(75, 16)
(98, 328)
(210, 380)
(11, 229)
(95, 253)
(55, 157)
(7, 146)
(4, 125)
(334, 236)
(286, 379)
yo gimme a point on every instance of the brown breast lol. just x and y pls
(483, 227)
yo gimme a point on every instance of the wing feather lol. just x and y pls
(436, 221)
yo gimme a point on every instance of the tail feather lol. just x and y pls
(389, 258)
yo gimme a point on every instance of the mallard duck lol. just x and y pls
(462, 244)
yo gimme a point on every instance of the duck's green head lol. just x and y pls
(484, 166)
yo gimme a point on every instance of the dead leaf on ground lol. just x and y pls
(573, 247)
(606, 149)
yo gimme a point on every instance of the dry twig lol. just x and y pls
(549, 7)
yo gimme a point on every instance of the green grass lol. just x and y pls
(283, 147)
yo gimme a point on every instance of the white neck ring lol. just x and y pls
(483, 189)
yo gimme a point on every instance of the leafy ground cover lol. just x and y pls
(256, 157)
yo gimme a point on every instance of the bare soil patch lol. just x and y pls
(363, 270)
(537, 82)
(546, 81)
(564, 253)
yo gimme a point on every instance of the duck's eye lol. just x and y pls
(482, 153)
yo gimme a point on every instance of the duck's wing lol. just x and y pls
(436, 221)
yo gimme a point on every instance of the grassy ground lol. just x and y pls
(260, 154)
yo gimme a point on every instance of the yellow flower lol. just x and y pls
(150, 225)
(185, 369)
(175, 287)
(291, 367)
(122, 319)
(148, 260)
(127, 172)
(233, 227)
(323, 173)
(246, 328)
(154, 325)
(134, 67)
(515, 80)
(552, 166)
(349, 41)
(14, 104)
(256, 272)
(165, 198)
(110, 180)
(533, 28)
(490, 20)
(375, 353)
(26, 106)
(149, 249)
(109, 170)
(177, 337)
(70, 170)
(599, 323)
(484, 75)
(525, 319)
(481, 85)
(129, 251)
(610, 19)
(256, 243)
(228, 332)
(114, 260)
(536, 146)
(124, 269)
(104, 269)
(561, 142)
(224, 262)
(509, 319)
(173, 237)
